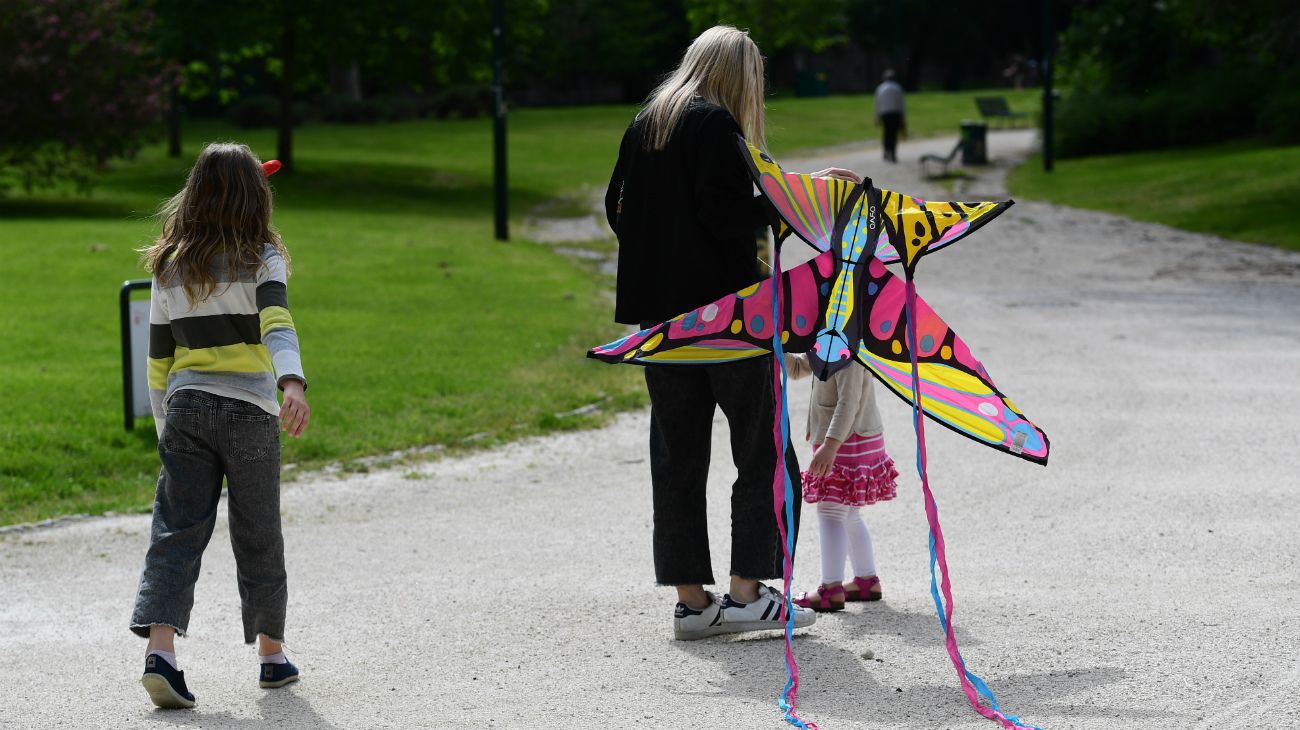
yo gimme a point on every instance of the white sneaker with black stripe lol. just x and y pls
(690, 624)
(761, 614)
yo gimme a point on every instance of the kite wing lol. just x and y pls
(816, 209)
(808, 206)
(956, 390)
(927, 226)
(735, 327)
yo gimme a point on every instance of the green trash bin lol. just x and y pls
(974, 145)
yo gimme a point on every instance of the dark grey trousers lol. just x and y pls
(892, 123)
(209, 438)
(682, 403)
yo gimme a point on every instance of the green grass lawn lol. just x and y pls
(1239, 190)
(799, 124)
(417, 327)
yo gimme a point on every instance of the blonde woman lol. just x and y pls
(684, 210)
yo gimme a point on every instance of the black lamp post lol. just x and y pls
(499, 118)
(1048, 64)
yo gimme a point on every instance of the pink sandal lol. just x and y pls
(865, 588)
(822, 600)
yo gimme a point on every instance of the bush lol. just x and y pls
(467, 101)
(1204, 111)
(348, 111)
(254, 111)
(1279, 115)
(80, 84)
(402, 107)
(264, 111)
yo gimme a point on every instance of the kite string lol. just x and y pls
(783, 500)
(943, 607)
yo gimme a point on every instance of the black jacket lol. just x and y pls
(685, 218)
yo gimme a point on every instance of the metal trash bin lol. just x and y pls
(974, 144)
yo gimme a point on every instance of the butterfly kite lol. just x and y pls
(845, 306)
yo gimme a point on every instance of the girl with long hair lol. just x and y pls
(221, 342)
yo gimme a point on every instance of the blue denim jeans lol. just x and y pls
(209, 438)
(683, 399)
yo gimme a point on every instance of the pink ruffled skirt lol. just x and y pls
(862, 474)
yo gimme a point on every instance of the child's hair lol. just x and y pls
(724, 66)
(223, 213)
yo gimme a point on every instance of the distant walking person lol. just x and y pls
(221, 341)
(890, 113)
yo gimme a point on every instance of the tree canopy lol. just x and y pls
(80, 84)
(1165, 73)
(92, 79)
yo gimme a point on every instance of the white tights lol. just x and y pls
(844, 534)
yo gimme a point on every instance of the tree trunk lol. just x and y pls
(174, 121)
(428, 78)
(288, 56)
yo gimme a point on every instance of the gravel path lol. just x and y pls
(1147, 578)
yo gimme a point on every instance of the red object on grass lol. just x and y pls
(270, 167)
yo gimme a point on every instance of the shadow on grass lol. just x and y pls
(144, 433)
(370, 187)
(383, 187)
(70, 207)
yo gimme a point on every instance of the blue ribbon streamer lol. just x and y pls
(778, 352)
(980, 686)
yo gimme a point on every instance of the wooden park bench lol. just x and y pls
(995, 107)
(940, 160)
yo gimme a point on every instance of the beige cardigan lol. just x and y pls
(841, 405)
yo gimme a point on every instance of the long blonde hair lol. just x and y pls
(724, 66)
(222, 213)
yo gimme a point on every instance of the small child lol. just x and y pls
(849, 470)
(221, 340)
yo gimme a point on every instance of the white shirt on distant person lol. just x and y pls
(889, 98)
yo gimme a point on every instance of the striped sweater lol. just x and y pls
(239, 342)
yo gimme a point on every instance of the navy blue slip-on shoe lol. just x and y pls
(165, 685)
(277, 675)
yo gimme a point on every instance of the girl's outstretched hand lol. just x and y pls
(294, 412)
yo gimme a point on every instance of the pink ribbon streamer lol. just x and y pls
(936, 531)
(780, 487)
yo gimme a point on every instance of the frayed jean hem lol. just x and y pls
(276, 639)
(142, 630)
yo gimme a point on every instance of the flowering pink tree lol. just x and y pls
(79, 85)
